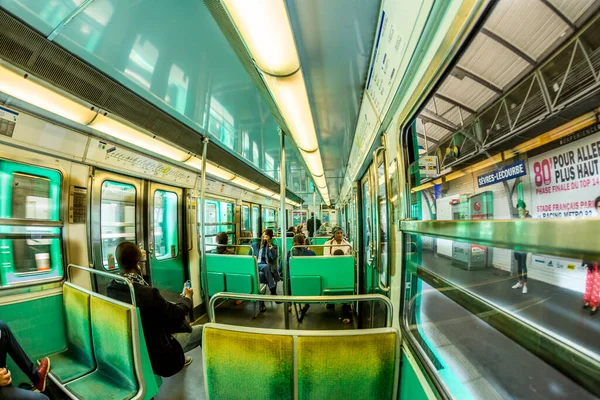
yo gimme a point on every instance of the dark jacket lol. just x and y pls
(270, 257)
(311, 226)
(160, 319)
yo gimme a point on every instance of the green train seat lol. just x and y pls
(106, 355)
(78, 358)
(322, 275)
(233, 273)
(288, 242)
(345, 365)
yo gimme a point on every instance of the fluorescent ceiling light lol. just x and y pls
(265, 27)
(314, 162)
(265, 191)
(292, 100)
(15, 85)
(211, 169)
(320, 182)
(119, 130)
(245, 183)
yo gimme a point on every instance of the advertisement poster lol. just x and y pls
(566, 181)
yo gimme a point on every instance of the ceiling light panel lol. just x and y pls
(245, 183)
(15, 85)
(266, 30)
(292, 100)
(314, 162)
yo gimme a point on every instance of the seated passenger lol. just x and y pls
(291, 232)
(338, 252)
(337, 242)
(10, 346)
(267, 256)
(168, 335)
(222, 241)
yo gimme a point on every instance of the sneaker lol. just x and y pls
(518, 285)
(188, 361)
(43, 369)
(524, 289)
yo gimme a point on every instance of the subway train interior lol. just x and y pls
(339, 199)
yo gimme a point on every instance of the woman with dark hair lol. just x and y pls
(291, 232)
(267, 262)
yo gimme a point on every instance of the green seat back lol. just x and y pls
(216, 282)
(241, 273)
(288, 242)
(336, 272)
(347, 367)
(320, 240)
(247, 366)
(112, 335)
(78, 359)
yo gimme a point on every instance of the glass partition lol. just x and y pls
(219, 217)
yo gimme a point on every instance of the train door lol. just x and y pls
(245, 218)
(116, 217)
(166, 254)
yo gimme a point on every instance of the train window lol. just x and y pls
(255, 221)
(219, 217)
(166, 240)
(31, 243)
(245, 218)
(117, 219)
(270, 219)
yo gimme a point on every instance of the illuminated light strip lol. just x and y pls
(557, 133)
(28, 90)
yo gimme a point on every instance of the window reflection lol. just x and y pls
(142, 61)
(221, 123)
(177, 89)
(219, 217)
(117, 219)
(166, 240)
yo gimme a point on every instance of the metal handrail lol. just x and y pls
(354, 252)
(232, 245)
(31, 222)
(105, 274)
(303, 299)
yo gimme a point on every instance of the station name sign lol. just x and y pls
(506, 173)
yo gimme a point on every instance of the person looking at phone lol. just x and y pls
(168, 335)
(266, 254)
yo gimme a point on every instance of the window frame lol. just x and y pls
(34, 168)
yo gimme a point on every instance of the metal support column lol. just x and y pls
(282, 224)
(202, 231)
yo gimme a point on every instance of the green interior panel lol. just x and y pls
(233, 264)
(216, 282)
(410, 387)
(112, 335)
(239, 283)
(78, 359)
(346, 367)
(336, 272)
(288, 242)
(246, 366)
(38, 325)
(320, 240)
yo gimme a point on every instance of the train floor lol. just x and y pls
(478, 361)
(189, 383)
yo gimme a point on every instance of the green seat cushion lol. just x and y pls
(247, 366)
(78, 359)
(239, 283)
(67, 367)
(100, 386)
(347, 367)
(307, 285)
(231, 264)
(216, 282)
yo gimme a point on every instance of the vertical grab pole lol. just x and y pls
(202, 230)
(282, 224)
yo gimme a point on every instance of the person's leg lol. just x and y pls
(190, 341)
(9, 345)
(346, 313)
(595, 291)
(589, 284)
(14, 393)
